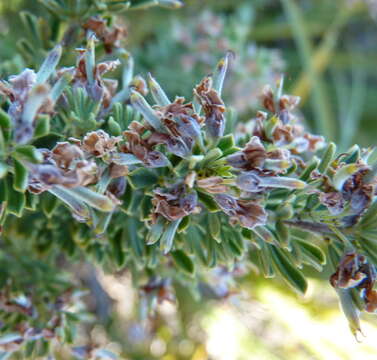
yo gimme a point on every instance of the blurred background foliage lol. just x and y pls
(327, 51)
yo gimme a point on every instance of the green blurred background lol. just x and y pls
(327, 51)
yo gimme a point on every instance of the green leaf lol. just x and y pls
(158, 94)
(166, 240)
(183, 261)
(145, 208)
(31, 25)
(20, 180)
(334, 255)
(289, 272)
(283, 234)
(156, 230)
(220, 72)
(350, 310)
(194, 238)
(42, 127)
(214, 227)
(312, 251)
(231, 150)
(369, 217)
(226, 142)
(208, 202)
(370, 248)
(49, 65)
(3, 190)
(43, 348)
(114, 127)
(234, 247)
(133, 239)
(69, 199)
(327, 157)
(305, 175)
(211, 156)
(60, 86)
(116, 242)
(5, 121)
(32, 201)
(265, 261)
(29, 348)
(3, 145)
(264, 234)
(184, 224)
(93, 199)
(142, 178)
(28, 153)
(49, 203)
(16, 201)
(3, 170)
(149, 114)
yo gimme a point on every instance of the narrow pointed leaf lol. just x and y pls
(49, 65)
(158, 94)
(167, 237)
(289, 272)
(20, 181)
(183, 261)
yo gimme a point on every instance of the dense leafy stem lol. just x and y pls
(165, 188)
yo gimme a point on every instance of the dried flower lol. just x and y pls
(354, 271)
(358, 192)
(182, 125)
(247, 212)
(99, 143)
(213, 107)
(254, 156)
(64, 154)
(117, 187)
(65, 165)
(213, 185)
(352, 190)
(174, 202)
(110, 37)
(90, 77)
(27, 100)
(334, 202)
(141, 148)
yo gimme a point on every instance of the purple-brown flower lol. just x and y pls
(142, 148)
(174, 202)
(65, 165)
(246, 212)
(99, 143)
(355, 191)
(110, 37)
(354, 271)
(255, 156)
(91, 79)
(27, 99)
(213, 107)
(182, 125)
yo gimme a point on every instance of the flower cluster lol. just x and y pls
(29, 328)
(354, 271)
(167, 188)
